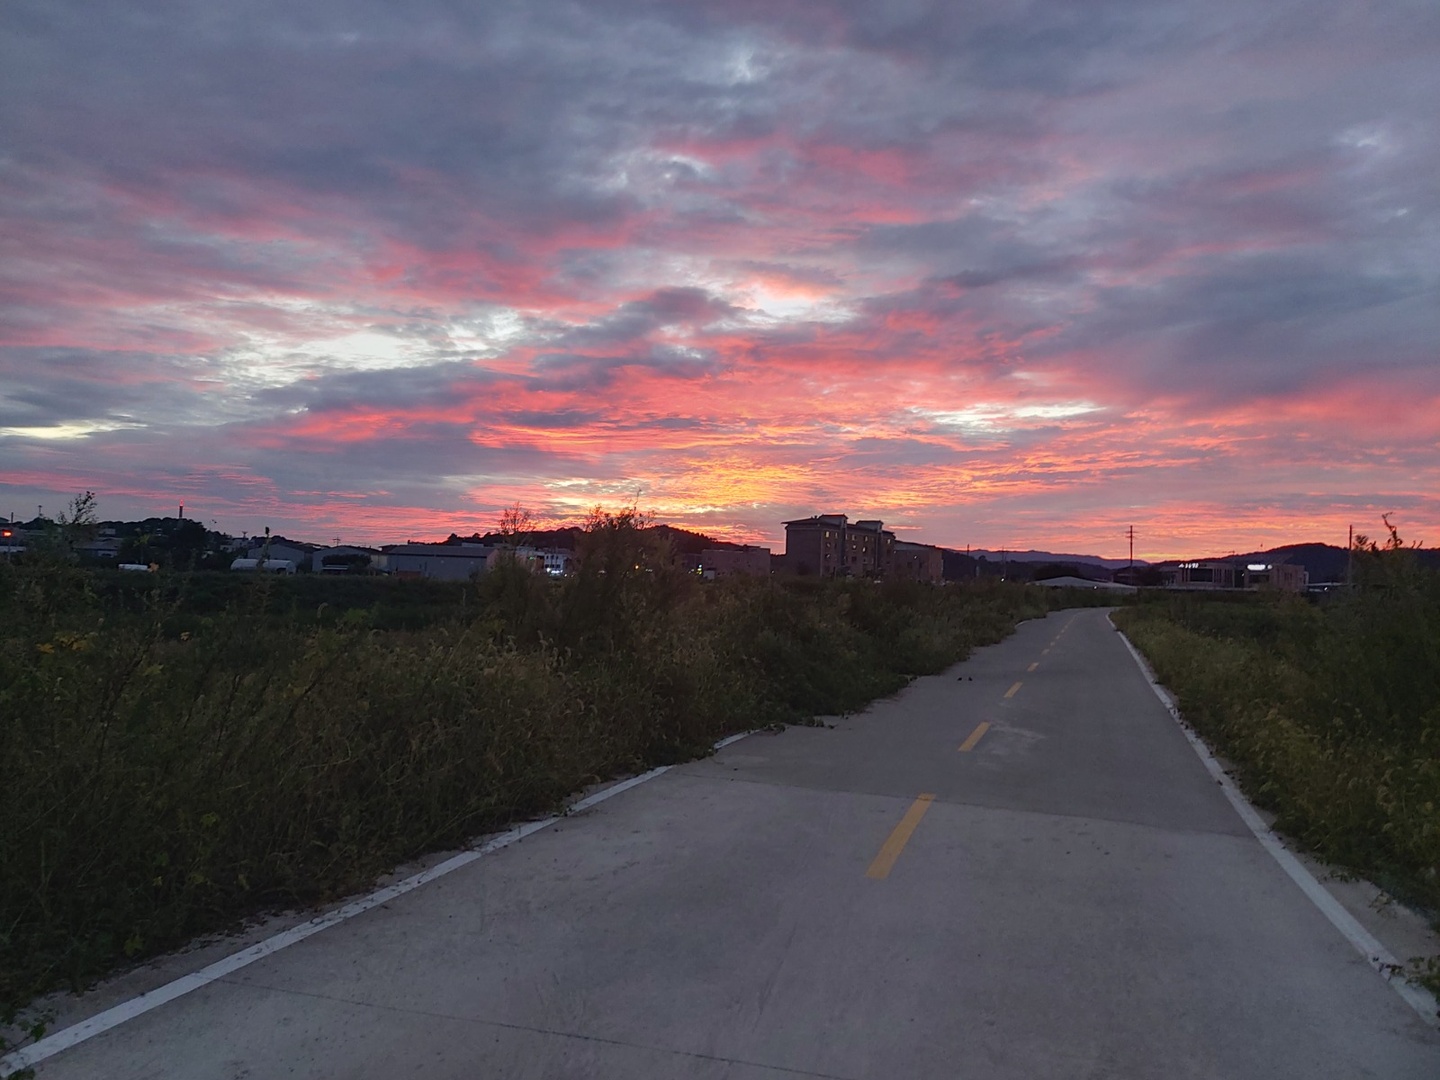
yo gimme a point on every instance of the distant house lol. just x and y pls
(917, 562)
(1209, 574)
(1200, 574)
(725, 562)
(438, 562)
(1281, 575)
(557, 562)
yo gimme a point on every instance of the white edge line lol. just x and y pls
(137, 1006)
(1377, 955)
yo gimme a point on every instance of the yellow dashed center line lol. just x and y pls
(895, 843)
(1011, 692)
(1033, 666)
(974, 737)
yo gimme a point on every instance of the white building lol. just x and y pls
(273, 566)
(557, 563)
(299, 554)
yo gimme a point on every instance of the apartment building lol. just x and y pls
(830, 545)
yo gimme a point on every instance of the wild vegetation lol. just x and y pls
(1330, 712)
(179, 751)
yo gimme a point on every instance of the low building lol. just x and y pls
(917, 562)
(1198, 574)
(1209, 574)
(438, 562)
(280, 548)
(726, 562)
(1282, 575)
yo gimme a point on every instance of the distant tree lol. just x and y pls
(80, 513)
(353, 563)
(56, 540)
(516, 525)
(139, 548)
(188, 542)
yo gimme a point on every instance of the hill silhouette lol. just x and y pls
(684, 541)
(1324, 562)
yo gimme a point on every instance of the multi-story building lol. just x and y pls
(828, 545)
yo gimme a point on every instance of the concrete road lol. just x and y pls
(1064, 892)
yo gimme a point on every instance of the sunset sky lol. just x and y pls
(1003, 274)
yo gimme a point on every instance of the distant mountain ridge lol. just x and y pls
(1029, 556)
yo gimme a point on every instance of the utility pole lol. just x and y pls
(1131, 534)
(1350, 556)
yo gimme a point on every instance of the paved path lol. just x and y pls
(1063, 892)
